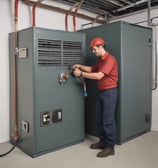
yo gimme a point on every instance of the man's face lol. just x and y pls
(96, 50)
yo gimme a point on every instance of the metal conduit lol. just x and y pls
(61, 10)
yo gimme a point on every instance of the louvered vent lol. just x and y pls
(72, 53)
(49, 52)
(56, 53)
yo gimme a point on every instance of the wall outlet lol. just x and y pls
(25, 126)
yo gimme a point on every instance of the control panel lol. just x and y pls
(51, 116)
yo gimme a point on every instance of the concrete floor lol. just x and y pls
(141, 152)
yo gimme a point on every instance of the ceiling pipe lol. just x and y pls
(34, 12)
(34, 15)
(61, 10)
(149, 10)
(66, 17)
(131, 14)
(130, 5)
(101, 15)
(75, 13)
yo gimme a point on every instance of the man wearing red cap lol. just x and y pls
(105, 71)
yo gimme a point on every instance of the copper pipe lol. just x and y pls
(75, 13)
(33, 15)
(34, 12)
(66, 16)
(61, 10)
(66, 21)
(94, 21)
(16, 133)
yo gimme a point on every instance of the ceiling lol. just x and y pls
(106, 9)
(113, 8)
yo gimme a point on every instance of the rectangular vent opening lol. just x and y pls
(72, 53)
(49, 52)
(57, 53)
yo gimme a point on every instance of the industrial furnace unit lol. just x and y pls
(132, 46)
(50, 101)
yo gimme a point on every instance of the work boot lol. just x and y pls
(98, 145)
(106, 152)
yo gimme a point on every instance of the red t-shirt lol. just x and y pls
(107, 64)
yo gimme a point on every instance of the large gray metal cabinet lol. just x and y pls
(131, 45)
(50, 107)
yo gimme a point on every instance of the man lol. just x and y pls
(105, 71)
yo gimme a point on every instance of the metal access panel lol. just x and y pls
(50, 101)
(131, 45)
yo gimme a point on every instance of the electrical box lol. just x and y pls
(50, 106)
(132, 46)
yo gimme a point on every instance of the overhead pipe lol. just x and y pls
(34, 15)
(34, 12)
(154, 24)
(74, 18)
(61, 10)
(75, 13)
(66, 16)
(76, 6)
(149, 9)
(94, 21)
(130, 5)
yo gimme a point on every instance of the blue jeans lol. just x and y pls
(106, 105)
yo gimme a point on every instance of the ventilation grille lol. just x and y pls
(56, 53)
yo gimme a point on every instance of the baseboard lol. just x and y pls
(154, 128)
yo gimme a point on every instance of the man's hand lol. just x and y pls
(76, 66)
(77, 72)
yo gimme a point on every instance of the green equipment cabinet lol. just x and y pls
(132, 46)
(50, 101)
